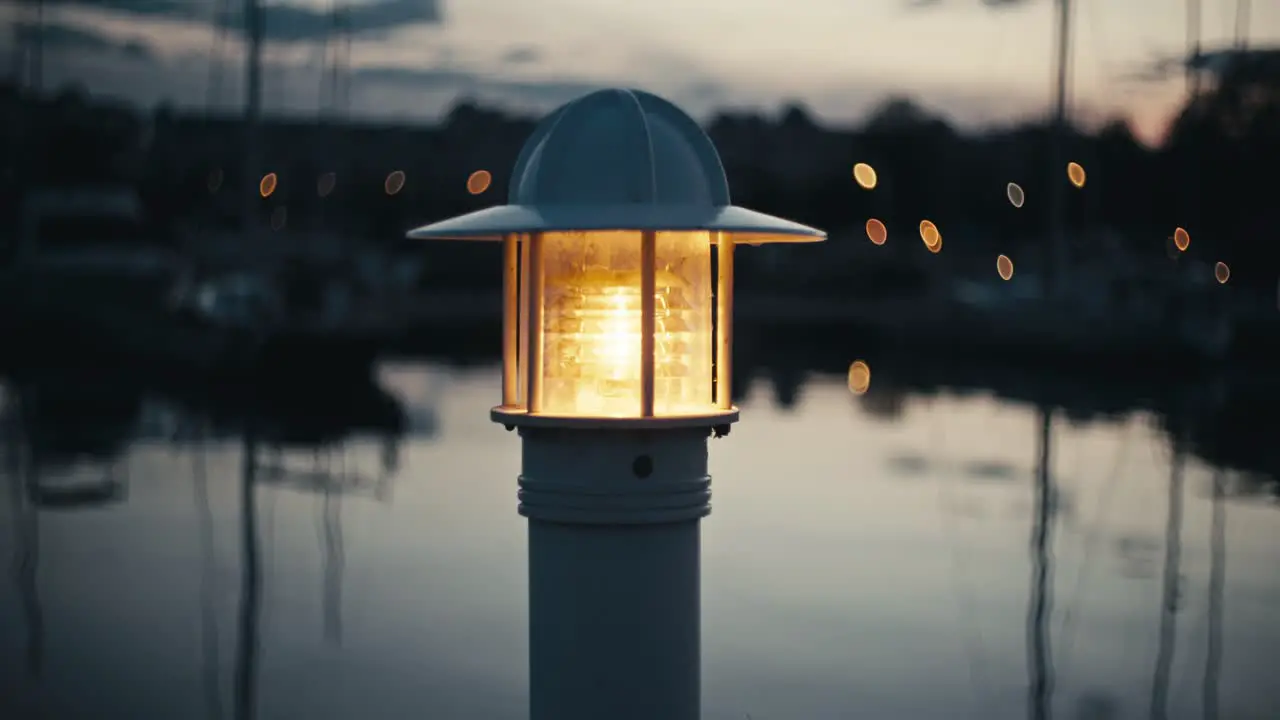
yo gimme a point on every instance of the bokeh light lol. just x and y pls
(1182, 239)
(1075, 174)
(278, 218)
(267, 185)
(326, 183)
(394, 182)
(1004, 266)
(1014, 192)
(859, 377)
(479, 181)
(1221, 272)
(929, 234)
(936, 247)
(877, 232)
(865, 176)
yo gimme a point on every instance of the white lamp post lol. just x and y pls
(616, 368)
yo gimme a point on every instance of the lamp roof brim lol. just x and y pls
(745, 226)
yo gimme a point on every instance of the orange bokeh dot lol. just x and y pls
(859, 377)
(1182, 239)
(479, 181)
(877, 232)
(1004, 266)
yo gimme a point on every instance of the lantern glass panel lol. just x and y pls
(591, 352)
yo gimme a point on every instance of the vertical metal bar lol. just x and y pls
(536, 283)
(510, 316)
(522, 372)
(724, 321)
(648, 309)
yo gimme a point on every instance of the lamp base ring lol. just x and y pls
(518, 417)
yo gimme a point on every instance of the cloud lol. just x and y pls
(399, 87)
(925, 4)
(292, 23)
(282, 21)
(521, 56)
(57, 37)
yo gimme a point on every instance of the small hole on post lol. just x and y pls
(642, 466)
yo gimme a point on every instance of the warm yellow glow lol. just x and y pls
(859, 377)
(865, 176)
(1014, 192)
(936, 247)
(326, 183)
(394, 182)
(929, 234)
(1182, 239)
(877, 231)
(1221, 272)
(478, 182)
(267, 185)
(1075, 174)
(1004, 266)
(592, 324)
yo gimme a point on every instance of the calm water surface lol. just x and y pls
(853, 567)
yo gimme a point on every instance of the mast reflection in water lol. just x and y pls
(208, 579)
(250, 585)
(1039, 657)
(22, 475)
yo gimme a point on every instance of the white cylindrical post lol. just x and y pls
(614, 593)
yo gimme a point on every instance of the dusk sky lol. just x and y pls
(412, 58)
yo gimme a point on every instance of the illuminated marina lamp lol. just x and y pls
(618, 243)
(614, 309)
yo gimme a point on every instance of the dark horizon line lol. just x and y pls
(928, 115)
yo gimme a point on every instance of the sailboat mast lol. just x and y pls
(1242, 24)
(252, 109)
(1057, 139)
(1193, 48)
(33, 67)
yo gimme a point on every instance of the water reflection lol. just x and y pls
(414, 604)
(19, 470)
(1039, 656)
(1217, 581)
(334, 562)
(246, 672)
(1170, 587)
(209, 587)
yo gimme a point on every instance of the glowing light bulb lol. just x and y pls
(592, 325)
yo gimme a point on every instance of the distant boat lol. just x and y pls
(87, 282)
(312, 299)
